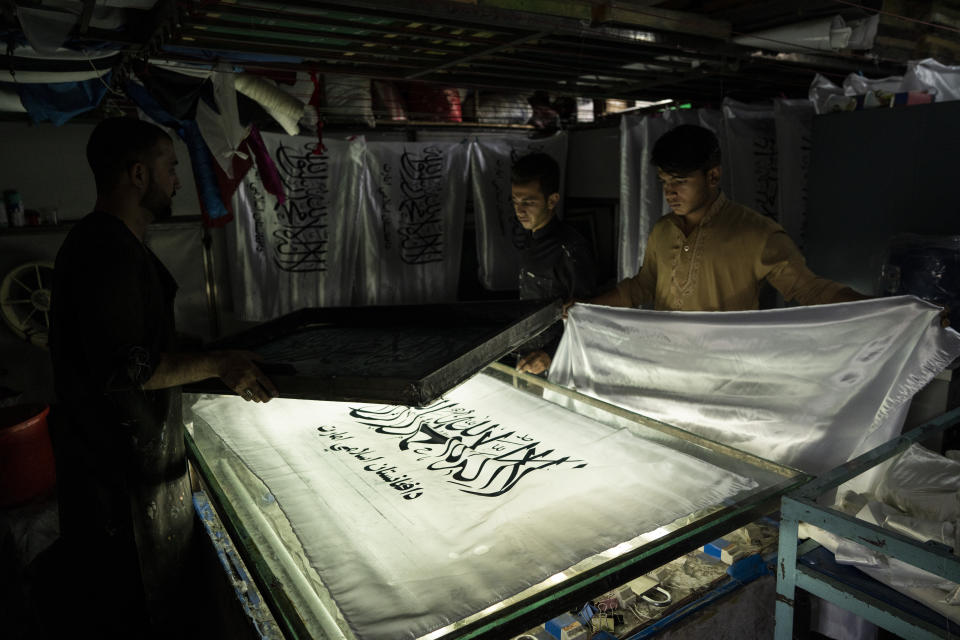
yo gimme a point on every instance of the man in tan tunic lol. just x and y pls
(711, 254)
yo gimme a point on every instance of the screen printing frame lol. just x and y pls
(302, 614)
(503, 325)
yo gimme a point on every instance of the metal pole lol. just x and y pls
(786, 574)
(210, 283)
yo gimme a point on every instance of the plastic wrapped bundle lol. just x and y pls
(925, 266)
(388, 101)
(348, 99)
(498, 108)
(431, 103)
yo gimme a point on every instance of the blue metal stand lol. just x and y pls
(801, 506)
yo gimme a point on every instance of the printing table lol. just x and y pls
(304, 607)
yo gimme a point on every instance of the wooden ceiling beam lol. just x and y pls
(389, 30)
(225, 43)
(474, 56)
(616, 12)
(255, 28)
(260, 44)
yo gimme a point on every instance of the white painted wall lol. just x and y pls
(48, 166)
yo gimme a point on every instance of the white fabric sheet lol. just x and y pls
(180, 247)
(935, 77)
(415, 518)
(641, 196)
(808, 387)
(302, 253)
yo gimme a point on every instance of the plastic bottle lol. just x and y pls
(15, 213)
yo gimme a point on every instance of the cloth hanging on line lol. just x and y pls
(302, 253)
(220, 126)
(750, 156)
(413, 211)
(434, 514)
(58, 102)
(641, 196)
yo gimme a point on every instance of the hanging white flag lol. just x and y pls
(641, 197)
(751, 156)
(794, 121)
(413, 210)
(302, 253)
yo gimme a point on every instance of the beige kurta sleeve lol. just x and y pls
(641, 288)
(782, 264)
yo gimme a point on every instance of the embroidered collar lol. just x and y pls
(708, 217)
(714, 209)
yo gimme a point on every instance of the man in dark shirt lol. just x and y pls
(556, 261)
(126, 514)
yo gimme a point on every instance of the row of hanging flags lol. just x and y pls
(356, 222)
(382, 222)
(329, 222)
(368, 222)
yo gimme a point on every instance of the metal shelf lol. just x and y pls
(802, 506)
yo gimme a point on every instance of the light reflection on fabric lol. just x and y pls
(808, 387)
(509, 490)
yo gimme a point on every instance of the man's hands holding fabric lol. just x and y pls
(535, 362)
(238, 371)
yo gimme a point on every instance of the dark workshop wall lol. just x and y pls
(875, 174)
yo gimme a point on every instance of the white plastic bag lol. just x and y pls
(930, 75)
(826, 96)
(923, 484)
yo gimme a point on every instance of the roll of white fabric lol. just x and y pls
(281, 106)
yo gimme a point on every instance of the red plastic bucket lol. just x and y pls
(27, 469)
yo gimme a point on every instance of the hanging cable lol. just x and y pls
(100, 76)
